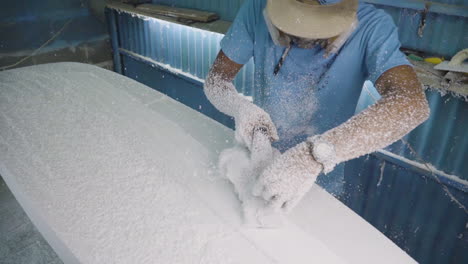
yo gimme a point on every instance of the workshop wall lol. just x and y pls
(440, 28)
(410, 208)
(26, 25)
(444, 32)
(29, 10)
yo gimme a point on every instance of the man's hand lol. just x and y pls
(249, 118)
(288, 179)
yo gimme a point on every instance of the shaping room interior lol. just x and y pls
(112, 151)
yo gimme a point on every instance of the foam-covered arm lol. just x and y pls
(223, 95)
(402, 108)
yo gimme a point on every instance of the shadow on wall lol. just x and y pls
(35, 32)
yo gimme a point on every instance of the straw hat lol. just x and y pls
(312, 19)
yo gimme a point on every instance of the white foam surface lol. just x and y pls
(111, 171)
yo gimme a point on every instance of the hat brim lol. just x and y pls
(312, 21)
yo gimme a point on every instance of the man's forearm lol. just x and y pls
(223, 95)
(219, 88)
(380, 125)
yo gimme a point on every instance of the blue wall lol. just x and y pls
(31, 10)
(445, 33)
(410, 208)
(26, 24)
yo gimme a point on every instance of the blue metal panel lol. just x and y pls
(407, 205)
(442, 140)
(411, 209)
(112, 27)
(32, 10)
(27, 24)
(447, 7)
(226, 9)
(452, 2)
(178, 46)
(81, 29)
(446, 29)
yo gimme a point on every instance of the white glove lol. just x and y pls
(287, 180)
(248, 117)
(251, 118)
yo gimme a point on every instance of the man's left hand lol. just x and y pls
(287, 180)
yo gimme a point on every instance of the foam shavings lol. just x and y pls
(242, 168)
(112, 171)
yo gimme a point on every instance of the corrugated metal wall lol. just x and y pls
(25, 25)
(181, 47)
(30, 10)
(445, 32)
(407, 203)
(409, 208)
(433, 231)
(442, 140)
(178, 46)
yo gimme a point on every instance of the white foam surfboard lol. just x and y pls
(111, 171)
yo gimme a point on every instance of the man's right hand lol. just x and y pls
(249, 118)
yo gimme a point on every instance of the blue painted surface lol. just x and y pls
(447, 7)
(27, 36)
(443, 139)
(443, 35)
(31, 10)
(409, 208)
(180, 47)
(407, 205)
(111, 18)
(27, 24)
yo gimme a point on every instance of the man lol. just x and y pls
(311, 60)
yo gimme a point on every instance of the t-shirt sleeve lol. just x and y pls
(238, 43)
(383, 48)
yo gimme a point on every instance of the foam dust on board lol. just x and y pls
(117, 181)
(95, 147)
(236, 165)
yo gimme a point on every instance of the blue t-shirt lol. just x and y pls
(312, 94)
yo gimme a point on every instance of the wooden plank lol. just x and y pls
(179, 13)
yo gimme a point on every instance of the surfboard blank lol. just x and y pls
(111, 171)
